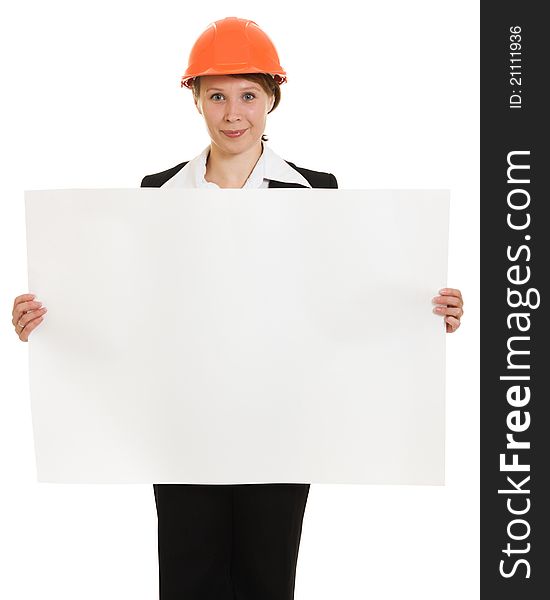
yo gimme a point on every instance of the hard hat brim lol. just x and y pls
(187, 80)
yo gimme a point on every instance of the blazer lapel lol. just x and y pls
(283, 184)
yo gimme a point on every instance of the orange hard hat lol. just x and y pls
(233, 46)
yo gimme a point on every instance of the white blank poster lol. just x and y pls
(238, 336)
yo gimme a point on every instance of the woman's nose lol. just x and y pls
(232, 111)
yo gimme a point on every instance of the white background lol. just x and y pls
(383, 95)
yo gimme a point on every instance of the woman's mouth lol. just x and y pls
(233, 133)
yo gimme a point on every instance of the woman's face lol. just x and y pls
(230, 104)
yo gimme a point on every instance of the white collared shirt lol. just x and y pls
(270, 166)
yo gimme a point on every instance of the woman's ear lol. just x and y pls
(198, 107)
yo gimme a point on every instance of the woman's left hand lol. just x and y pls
(449, 304)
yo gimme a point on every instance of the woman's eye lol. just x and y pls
(215, 96)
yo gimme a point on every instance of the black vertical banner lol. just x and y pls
(515, 345)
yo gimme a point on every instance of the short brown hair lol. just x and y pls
(266, 82)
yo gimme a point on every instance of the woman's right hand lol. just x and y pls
(27, 314)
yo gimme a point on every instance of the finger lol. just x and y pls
(448, 300)
(451, 292)
(24, 307)
(452, 323)
(26, 331)
(445, 310)
(22, 298)
(28, 320)
(27, 317)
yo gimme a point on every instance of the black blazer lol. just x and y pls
(317, 179)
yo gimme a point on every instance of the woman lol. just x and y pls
(231, 541)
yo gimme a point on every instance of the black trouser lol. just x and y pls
(229, 542)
